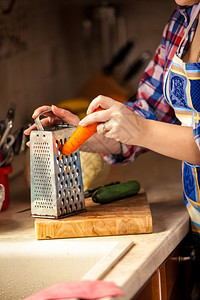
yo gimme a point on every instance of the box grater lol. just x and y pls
(56, 179)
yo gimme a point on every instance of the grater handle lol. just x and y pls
(38, 121)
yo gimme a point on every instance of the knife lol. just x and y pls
(118, 58)
(136, 65)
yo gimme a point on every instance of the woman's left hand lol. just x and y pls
(116, 120)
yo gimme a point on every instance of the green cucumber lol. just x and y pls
(115, 192)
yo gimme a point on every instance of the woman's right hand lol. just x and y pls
(54, 116)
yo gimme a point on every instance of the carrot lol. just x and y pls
(79, 137)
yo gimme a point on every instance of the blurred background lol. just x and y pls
(49, 49)
(62, 52)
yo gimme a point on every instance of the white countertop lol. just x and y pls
(170, 226)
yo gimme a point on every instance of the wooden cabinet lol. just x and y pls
(170, 281)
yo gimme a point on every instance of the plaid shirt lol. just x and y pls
(151, 103)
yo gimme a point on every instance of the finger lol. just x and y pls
(100, 101)
(45, 123)
(99, 117)
(28, 144)
(110, 135)
(65, 115)
(41, 109)
(101, 129)
(108, 125)
(28, 130)
(110, 130)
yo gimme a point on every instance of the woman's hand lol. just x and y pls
(54, 116)
(116, 120)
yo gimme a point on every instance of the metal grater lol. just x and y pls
(56, 179)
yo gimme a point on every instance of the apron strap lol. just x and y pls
(189, 27)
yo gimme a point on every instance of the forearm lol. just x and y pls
(171, 140)
(129, 128)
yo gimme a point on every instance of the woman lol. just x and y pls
(168, 96)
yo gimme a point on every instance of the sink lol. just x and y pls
(29, 266)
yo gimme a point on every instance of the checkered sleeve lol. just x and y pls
(150, 103)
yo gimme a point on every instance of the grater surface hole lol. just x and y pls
(70, 187)
(56, 179)
(42, 175)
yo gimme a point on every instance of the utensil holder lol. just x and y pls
(56, 179)
(4, 180)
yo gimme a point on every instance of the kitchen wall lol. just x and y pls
(46, 55)
(49, 49)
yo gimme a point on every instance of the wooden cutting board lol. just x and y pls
(127, 216)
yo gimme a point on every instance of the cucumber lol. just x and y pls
(115, 192)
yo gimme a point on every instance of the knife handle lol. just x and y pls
(118, 58)
(136, 65)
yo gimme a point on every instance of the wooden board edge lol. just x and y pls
(97, 229)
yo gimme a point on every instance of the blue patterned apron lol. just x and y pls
(182, 91)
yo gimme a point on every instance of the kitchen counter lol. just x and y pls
(170, 226)
(149, 251)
